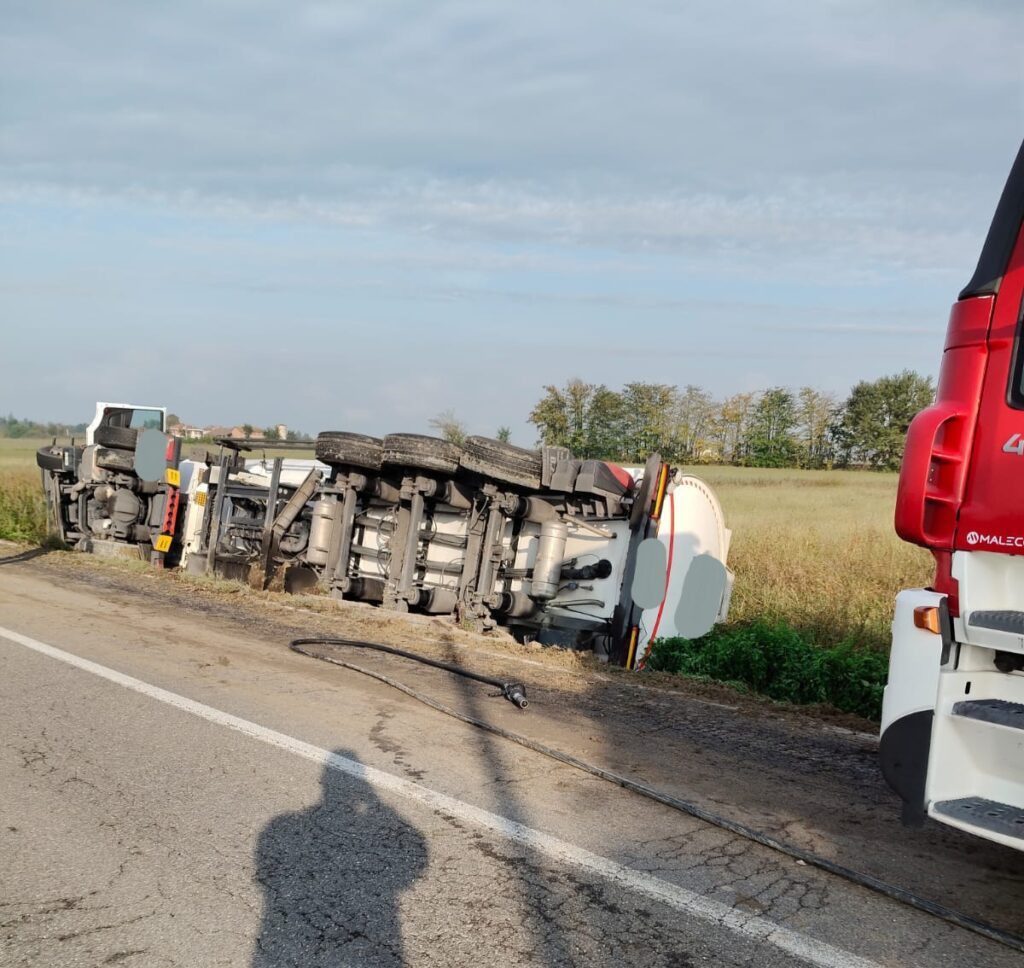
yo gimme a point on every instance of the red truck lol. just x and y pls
(952, 741)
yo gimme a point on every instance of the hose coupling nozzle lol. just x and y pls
(515, 692)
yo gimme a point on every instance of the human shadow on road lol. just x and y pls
(332, 876)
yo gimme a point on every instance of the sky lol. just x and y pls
(348, 216)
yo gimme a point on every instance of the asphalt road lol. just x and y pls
(175, 790)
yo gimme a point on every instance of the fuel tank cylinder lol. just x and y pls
(324, 514)
(547, 568)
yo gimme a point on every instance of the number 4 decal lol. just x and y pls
(1015, 445)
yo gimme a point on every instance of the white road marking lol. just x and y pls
(688, 902)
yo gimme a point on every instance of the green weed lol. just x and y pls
(22, 508)
(776, 660)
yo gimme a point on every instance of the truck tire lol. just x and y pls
(422, 453)
(502, 462)
(49, 461)
(123, 437)
(351, 450)
(112, 459)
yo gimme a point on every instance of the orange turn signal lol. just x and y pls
(927, 617)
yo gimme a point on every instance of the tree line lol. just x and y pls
(776, 427)
(11, 426)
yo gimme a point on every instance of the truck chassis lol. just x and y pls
(576, 553)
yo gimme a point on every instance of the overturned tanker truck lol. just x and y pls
(581, 554)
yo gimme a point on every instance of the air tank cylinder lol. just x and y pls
(547, 567)
(324, 515)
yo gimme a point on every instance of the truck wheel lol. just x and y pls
(422, 452)
(502, 462)
(49, 461)
(352, 450)
(124, 437)
(112, 459)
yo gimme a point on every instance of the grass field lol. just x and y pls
(22, 511)
(817, 550)
(20, 454)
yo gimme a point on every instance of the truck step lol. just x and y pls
(999, 818)
(998, 620)
(997, 711)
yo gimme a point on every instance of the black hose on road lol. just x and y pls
(514, 692)
(872, 883)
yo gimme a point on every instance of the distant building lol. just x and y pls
(217, 432)
(187, 432)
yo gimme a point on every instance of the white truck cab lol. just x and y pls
(130, 415)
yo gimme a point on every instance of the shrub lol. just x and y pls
(22, 507)
(777, 661)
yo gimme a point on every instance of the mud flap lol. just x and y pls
(903, 756)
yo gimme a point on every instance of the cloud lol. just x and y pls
(796, 228)
(703, 173)
(657, 125)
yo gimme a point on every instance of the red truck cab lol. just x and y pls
(952, 743)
